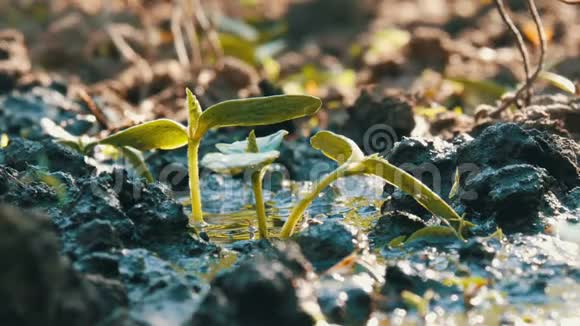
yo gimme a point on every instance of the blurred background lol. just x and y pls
(135, 57)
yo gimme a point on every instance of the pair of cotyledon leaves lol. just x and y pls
(167, 134)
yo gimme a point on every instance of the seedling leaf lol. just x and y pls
(336, 147)
(434, 233)
(80, 144)
(265, 144)
(157, 134)
(456, 183)
(397, 242)
(252, 143)
(4, 140)
(238, 162)
(193, 108)
(423, 195)
(256, 111)
(559, 81)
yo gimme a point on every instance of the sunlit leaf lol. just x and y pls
(385, 43)
(353, 162)
(484, 86)
(4, 140)
(432, 234)
(136, 160)
(401, 179)
(271, 68)
(559, 81)
(456, 183)
(237, 163)
(397, 242)
(252, 146)
(430, 113)
(56, 131)
(256, 111)
(80, 144)
(416, 301)
(337, 147)
(466, 282)
(265, 144)
(157, 134)
(238, 47)
(193, 108)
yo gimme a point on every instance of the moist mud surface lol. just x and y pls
(85, 241)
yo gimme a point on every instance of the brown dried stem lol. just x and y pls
(178, 40)
(514, 30)
(525, 88)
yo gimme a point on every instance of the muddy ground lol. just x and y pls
(85, 241)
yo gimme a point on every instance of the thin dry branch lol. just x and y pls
(178, 40)
(525, 88)
(516, 33)
(189, 25)
(207, 27)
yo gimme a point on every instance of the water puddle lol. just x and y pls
(230, 214)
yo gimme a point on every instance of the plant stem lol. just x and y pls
(260, 207)
(298, 210)
(194, 190)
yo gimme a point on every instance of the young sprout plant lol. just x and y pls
(352, 161)
(85, 144)
(167, 134)
(253, 155)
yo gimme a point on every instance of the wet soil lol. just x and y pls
(85, 241)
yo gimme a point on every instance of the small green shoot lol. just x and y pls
(4, 140)
(84, 144)
(558, 81)
(432, 234)
(254, 155)
(353, 162)
(397, 242)
(420, 303)
(167, 134)
(456, 184)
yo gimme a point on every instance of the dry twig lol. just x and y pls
(178, 40)
(525, 88)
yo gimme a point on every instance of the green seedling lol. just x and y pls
(167, 134)
(253, 155)
(4, 141)
(559, 81)
(352, 161)
(85, 144)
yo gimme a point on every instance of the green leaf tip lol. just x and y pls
(252, 143)
(157, 134)
(559, 81)
(257, 111)
(336, 147)
(432, 234)
(412, 186)
(193, 108)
